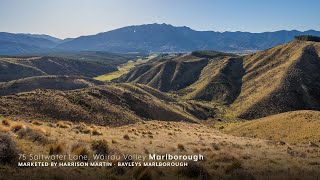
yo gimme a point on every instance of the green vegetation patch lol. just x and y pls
(124, 69)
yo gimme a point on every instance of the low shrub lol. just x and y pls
(126, 137)
(18, 126)
(181, 147)
(194, 170)
(100, 147)
(8, 150)
(6, 122)
(35, 135)
(96, 132)
(56, 149)
(82, 151)
(147, 173)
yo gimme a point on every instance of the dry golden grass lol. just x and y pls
(86, 130)
(4, 129)
(225, 155)
(64, 124)
(41, 130)
(17, 126)
(100, 147)
(267, 73)
(55, 149)
(291, 127)
(96, 132)
(36, 122)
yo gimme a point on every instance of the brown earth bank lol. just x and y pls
(225, 156)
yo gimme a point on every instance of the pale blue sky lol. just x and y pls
(72, 18)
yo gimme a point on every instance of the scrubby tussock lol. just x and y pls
(113, 104)
(46, 82)
(8, 150)
(17, 68)
(225, 156)
(289, 127)
(281, 79)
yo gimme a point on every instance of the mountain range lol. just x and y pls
(148, 38)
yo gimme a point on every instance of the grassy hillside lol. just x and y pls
(113, 104)
(220, 82)
(87, 64)
(168, 74)
(15, 67)
(291, 127)
(46, 82)
(280, 79)
(226, 156)
(124, 68)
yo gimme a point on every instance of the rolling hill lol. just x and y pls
(46, 82)
(290, 127)
(280, 79)
(12, 68)
(171, 73)
(113, 104)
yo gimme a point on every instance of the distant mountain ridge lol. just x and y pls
(44, 36)
(150, 38)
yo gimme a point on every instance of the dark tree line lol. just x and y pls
(308, 38)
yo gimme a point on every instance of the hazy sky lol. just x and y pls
(72, 18)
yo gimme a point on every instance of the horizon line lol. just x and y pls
(30, 33)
